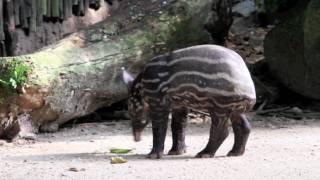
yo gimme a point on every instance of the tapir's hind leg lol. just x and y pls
(178, 126)
(218, 133)
(241, 128)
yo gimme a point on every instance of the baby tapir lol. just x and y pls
(205, 78)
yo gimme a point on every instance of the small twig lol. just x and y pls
(260, 108)
(256, 80)
(288, 113)
(271, 110)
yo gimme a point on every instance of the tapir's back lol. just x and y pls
(199, 75)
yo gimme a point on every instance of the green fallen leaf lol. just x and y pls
(118, 160)
(120, 151)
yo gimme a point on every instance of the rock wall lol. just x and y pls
(292, 49)
(28, 25)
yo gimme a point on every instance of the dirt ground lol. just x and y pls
(277, 149)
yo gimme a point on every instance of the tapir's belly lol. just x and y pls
(210, 103)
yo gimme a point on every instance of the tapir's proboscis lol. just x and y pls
(205, 78)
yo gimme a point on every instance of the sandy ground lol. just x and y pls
(284, 149)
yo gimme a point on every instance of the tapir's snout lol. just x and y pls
(137, 135)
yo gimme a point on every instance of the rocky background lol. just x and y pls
(28, 25)
(281, 58)
(279, 40)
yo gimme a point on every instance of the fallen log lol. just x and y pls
(81, 73)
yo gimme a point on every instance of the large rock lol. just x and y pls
(292, 49)
(244, 8)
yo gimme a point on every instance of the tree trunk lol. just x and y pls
(82, 72)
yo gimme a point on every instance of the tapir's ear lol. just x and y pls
(127, 78)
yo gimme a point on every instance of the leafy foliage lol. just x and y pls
(12, 74)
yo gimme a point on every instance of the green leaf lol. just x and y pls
(120, 151)
(13, 83)
(3, 82)
(16, 74)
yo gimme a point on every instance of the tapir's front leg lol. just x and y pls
(178, 126)
(158, 115)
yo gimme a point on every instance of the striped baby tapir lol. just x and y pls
(205, 78)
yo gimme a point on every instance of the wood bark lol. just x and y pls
(82, 72)
(33, 17)
(17, 4)
(10, 16)
(30, 14)
(55, 11)
(1, 21)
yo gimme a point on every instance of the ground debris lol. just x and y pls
(74, 169)
(118, 160)
(289, 112)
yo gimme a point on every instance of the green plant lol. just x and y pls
(13, 74)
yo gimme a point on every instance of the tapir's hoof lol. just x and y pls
(177, 151)
(204, 154)
(235, 153)
(153, 155)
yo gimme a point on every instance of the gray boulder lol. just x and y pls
(244, 8)
(292, 49)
